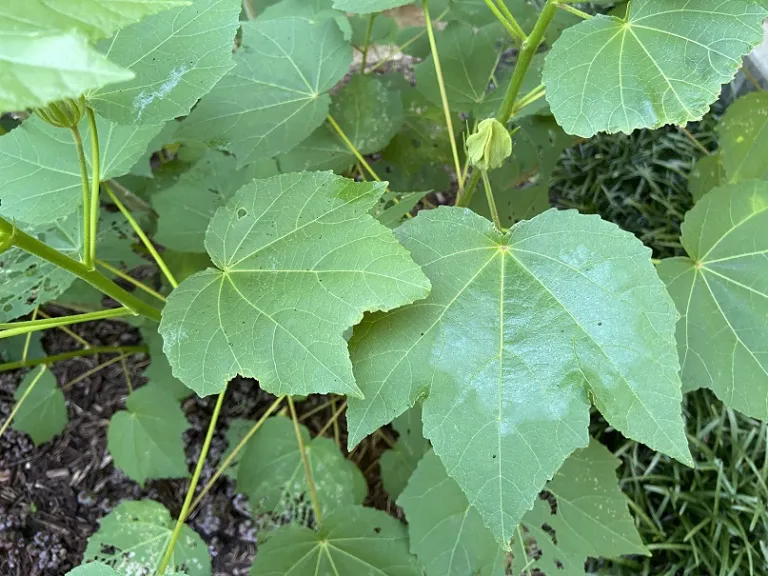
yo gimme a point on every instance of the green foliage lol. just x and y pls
(145, 440)
(282, 85)
(489, 146)
(43, 413)
(719, 289)
(743, 139)
(707, 173)
(398, 464)
(132, 538)
(276, 306)
(615, 349)
(662, 64)
(271, 473)
(353, 540)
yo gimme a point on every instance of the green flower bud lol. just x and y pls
(65, 113)
(490, 145)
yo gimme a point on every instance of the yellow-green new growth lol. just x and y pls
(490, 145)
(65, 113)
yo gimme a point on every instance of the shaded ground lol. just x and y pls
(52, 496)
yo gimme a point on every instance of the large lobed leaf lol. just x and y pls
(351, 541)
(521, 332)
(276, 94)
(663, 64)
(721, 290)
(177, 56)
(298, 260)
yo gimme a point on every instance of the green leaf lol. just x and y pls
(177, 56)
(81, 296)
(520, 332)
(366, 111)
(94, 18)
(707, 173)
(299, 259)
(591, 517)
(166, 136)
(39, 169)
(468, 59)
(93, 569)
(276, 94)
(236, 431)
(271, 472)
(43, 414)
(743, 138)
(12, 349)
(393, 207)
(159, 371)
(368, 6)
(352, 541)
(721, 291)
(663, 65)
(314, 10)
(27, 281)
(185, 208)
(489, 145)
(57, 64)
(398, 464)
(384, 30)
(446, 533)
(133, 537)
(146, 440)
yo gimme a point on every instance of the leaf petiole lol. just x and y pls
(491, 201)
(305, 461)
(73, 354)
(89, 244)
(86, 192)
(511, 26)
(367, 41)
(16, 328)
(573, 10)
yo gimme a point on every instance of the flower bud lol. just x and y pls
(65, 113)
(490, 145)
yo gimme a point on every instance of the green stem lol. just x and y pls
(443, 95)
(89, 250)
(16, 408)
(511, 19)
(130, 279)
(28, 363)
(491, 200)
(515, 31)
(574, 10)
(192, 485)
(95, 278)
(367, 42)
(144, 239)
(529, 98)
(225, 464)
(28, 339)
(352, 148)
(250, 12)
(530, 46)
(305, 461)
(17, 328)
(86, 192)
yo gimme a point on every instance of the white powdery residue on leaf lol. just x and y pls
(144, 99)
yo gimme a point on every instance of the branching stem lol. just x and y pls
(192, 485)
(514, 29)
(530, 46)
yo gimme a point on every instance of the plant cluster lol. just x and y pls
(246, 159)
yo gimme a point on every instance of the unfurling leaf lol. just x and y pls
(743, 138)
(489, 146)
(133, 537)
(272, 474)
(276, 94)
(298, 260)
(663, 64)
(351, 541)
(446, 533)
(520, 332)
(398, 464)
(721, 291)
(146, 440)
(43, 414)
(177, 55)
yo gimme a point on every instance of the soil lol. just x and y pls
(52, 496)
